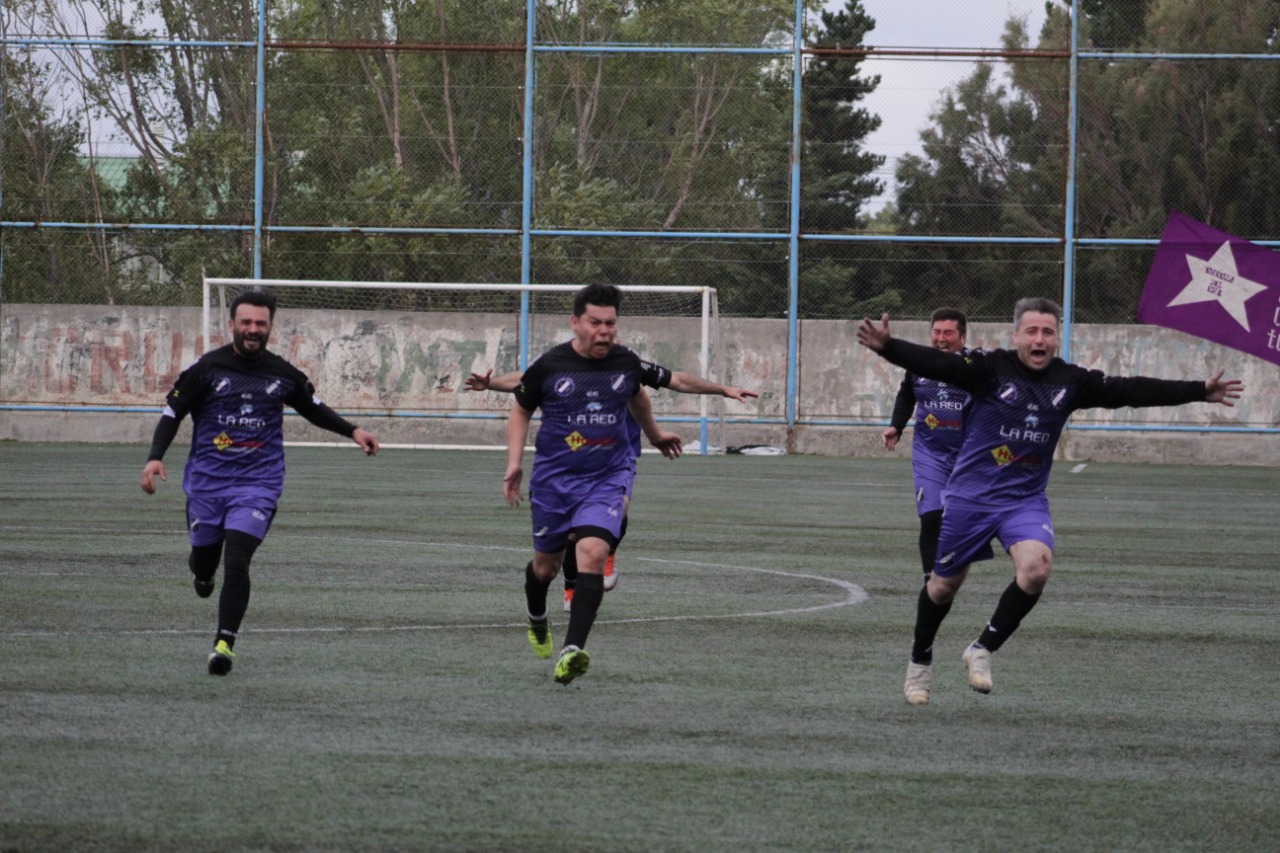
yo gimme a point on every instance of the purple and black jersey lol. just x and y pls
(939, 413)
(237, 411)
(584, 437)
(654, 376)
(1017, 414)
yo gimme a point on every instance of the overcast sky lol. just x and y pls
(910, 89)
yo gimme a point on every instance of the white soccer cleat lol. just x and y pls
(917, 687)
(978, 661)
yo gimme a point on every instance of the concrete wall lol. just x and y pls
(379, 363)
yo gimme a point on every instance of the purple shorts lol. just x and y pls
(556, 515)
(208, 518)
(930, 478)
(967, 532)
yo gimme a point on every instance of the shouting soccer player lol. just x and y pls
(583, 466)
(1021, 401)
(234, 476)
(653, 376)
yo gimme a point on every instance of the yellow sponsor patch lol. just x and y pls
(1003, 455)
(931, 422)
(575, 440)
(222, 441)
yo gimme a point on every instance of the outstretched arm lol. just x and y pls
(1219, 390)
(641, 408)
(486, 381)
(692, 383)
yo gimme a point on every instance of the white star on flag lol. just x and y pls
(1216, 280)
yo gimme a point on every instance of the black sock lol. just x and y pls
(586, 601)
(929, 618)
(930, 527)
(234, 601)
(535, 593)
(203, 560)
(569, 566)
(1013, 606)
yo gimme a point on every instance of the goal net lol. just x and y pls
(403, 351)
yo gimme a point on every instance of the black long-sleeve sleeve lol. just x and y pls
(166, 432)
(904, 404)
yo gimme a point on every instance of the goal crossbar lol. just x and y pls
(709, 309)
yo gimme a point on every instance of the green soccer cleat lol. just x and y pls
(220, 660)
(540, 638)
(573, 662)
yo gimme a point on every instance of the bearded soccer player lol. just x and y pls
(234, 475)
(583, 466)
(938, 409)
(1021, 401)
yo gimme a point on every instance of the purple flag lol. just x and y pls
(1215, 286)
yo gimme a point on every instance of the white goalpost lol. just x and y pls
(370, 346)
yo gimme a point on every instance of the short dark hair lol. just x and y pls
(962, 322)
(260, 297)
(601, 295)
(1038, 304)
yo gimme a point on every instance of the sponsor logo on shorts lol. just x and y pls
(260, 515)
(541, 531)
(946, 559)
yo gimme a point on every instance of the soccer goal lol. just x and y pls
(404, 350)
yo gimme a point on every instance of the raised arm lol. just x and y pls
(641, 408)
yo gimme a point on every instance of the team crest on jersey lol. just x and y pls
(222, 441)
(1008, 393)
(273, 388)
(222, 386)
(1058, 398)
(564, 386)
(619, 381)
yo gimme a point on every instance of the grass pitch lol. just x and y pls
(745, 690)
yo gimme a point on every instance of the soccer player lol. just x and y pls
(235, 471)
(1021, 399)
(583, 464)
(654, 376)
(938, 409)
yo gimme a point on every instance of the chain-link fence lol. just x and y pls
(757, 147)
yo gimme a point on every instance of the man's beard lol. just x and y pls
(239, 339)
